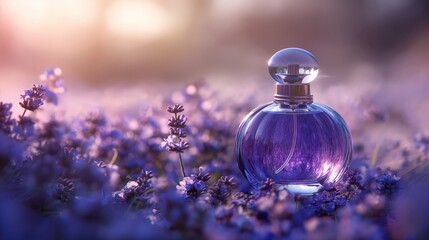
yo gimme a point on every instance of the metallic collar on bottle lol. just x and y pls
(293, 93)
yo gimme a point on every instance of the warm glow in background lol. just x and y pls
(371, 49)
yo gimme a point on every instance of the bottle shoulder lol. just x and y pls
(273, 111)
(278, 108)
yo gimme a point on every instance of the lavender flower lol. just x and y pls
(195, 185)
(32, 99)
(53, 174)
(175, 109)
(174, 141)
(221, 190)
(177, 122)
(174, 145)
(387, 183)
(142, 185)
(136, 193)
(327, 200)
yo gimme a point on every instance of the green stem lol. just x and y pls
(181, 165)
(25, 110)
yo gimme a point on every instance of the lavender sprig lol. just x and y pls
(50, 171)
(221, 190)
(32, 99)
(137, 193)
(174, 141)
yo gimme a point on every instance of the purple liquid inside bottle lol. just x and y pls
(299, 144)
(300, 149)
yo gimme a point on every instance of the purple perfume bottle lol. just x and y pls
(299, 144)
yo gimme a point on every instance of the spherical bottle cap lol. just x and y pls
(293, 65)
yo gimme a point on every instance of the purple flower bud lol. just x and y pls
(32, 99)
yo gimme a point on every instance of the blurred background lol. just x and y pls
(373, 53)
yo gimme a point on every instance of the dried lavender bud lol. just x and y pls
(178, 121)
(145, 180)
(201, 176)
(178, 147)
(178, 132)
(177, 108)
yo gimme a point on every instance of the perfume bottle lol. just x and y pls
(299, 144)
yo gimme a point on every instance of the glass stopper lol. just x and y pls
(293, 65)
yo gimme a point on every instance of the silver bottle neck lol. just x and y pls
(293, 93)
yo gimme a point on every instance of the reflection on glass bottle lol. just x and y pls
(297, 143)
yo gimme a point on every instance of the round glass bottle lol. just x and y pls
(299, 144)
